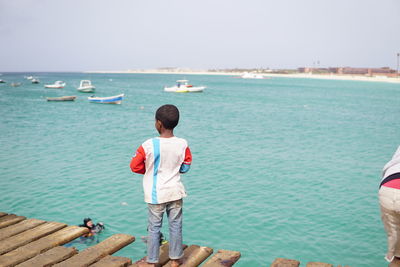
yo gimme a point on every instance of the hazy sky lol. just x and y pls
(77, 35)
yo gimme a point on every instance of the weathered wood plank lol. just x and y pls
(95, 253)
(193, 256)
(30, 250)
(30, 235)
(281, 262)
(3, 214)
(10, 219)
(19, 228)
(318, 264)
(112, 261)
(163, 258)
(223, 258)
(50, 257)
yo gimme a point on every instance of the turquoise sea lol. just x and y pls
(281, 167)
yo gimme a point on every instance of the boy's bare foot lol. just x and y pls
(174, 263)
(146, 264)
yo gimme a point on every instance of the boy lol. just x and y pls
(162, 160)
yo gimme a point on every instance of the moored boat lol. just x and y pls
(56, 85)
(183, 86)
(116, 99)
(35, 80)
(86, 87)
(2, 81)
(62, 98)
(248, 75)
(15, 84)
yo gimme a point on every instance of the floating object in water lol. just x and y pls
(2, 81)
(248, 75)
(62, 98)
(56, 85)
(117, 99)
(86, 87)
(124, 203)
(15, 84)
(35, 80)
(183, 86)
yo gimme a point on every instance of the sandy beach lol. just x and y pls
(266, 75)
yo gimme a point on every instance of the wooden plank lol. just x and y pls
(223, 258)
(28, 236)
(318, 264)
(281, 262)
(30, 250)
(163, 258)
(95, 253)
(193, 256)
(112, 261)
(50, 257)
(3, 214)
(10, 219)
(19, 227)
(7, 217)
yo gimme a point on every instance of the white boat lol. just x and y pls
(183, 86)
(248, 75)
(86, 87)
(35, 80)
(29, 77)
(62, 98)
(56, 85)
(116, 99)
(2, 81)
(14, 84)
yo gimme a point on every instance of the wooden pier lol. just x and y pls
(31, 242)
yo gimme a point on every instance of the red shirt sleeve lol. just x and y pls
(137, 163)
(188, 157)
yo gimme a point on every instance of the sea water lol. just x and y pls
(281, 167)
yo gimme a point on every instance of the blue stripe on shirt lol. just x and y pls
(156, 151)
(184, 168)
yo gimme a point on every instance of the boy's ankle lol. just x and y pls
(175, 263)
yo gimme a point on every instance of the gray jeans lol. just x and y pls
(174, 214)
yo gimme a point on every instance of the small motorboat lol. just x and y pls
(15, 84)
(117, 99)
(248, 75)
(2, 81)
(29, 77)
(183, 86)
(62, 98)
(56, 85)
(86, 87)
(35, 80)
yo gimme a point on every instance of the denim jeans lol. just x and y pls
(174, 214)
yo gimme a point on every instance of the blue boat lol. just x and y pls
(117, 99)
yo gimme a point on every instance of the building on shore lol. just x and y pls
(385, 71)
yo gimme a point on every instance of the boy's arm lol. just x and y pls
(186, 163)
(137, 163)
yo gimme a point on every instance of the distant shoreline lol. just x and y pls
(266, 75)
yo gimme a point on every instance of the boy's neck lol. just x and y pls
(167, 133)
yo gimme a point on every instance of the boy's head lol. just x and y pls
(168, 116)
